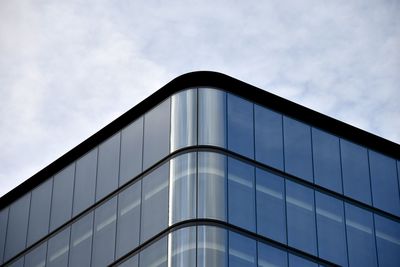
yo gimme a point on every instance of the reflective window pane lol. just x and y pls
(58, 249)
(212, 195)
(3, 231)
(155, 255)
(297, 140)
(184, 119)
(155, 202)
(108, 166)
(269, 256)
(296, 261)
(63, 188)
(240, 126)
(39, 216)
(156, 134)
(241, 194)
(81, 241)
(360, 237)
(355, 171)
(212, 117)
(131, 151)
(301, 217)
(242, 251)
(211, 246)
(331, 229)
(271, 219)
(17, 263)
(182, 191)
(17, 226)
(326, 156)
(183, 247)
(131, 262)
(37, 256)
(104, 233)
(128, 228)
(385, 188)
(387, 241)
(268, 137)
(85, 181)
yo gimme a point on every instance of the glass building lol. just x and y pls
(211, 171)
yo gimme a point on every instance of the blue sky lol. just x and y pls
(68, 68)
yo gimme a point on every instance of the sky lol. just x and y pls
(68, 68)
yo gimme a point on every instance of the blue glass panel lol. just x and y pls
(269, 256)
(296, 261)
(211, 246)
(85, 181)
(81, 241)
(268, 137)
(131, 262)
(240, 126)
(271, 219)
(384, 183)
(242, 251)
(131, 151)
(183, 247)
(156, 134)
(184, 119)
(58, 249)
(326, 156)
(355, 171)
(39, 216)
(63, 188)
(3, 231)
(154, 255)
(17, 263)
(331, 229)
(108, 166)
(297, 140)
(212, 117)
(301, 217)
(241, 195)
(17, 226)
(37, 256)
(360, 237)
(387, 241)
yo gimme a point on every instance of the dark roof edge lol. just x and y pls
(208, 79)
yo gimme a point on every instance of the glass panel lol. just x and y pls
(63, 188)
(17, 263)
(269, 256)
(58, 248)
(184, 119)
(296, 261)
(385, 188)
(81, 241)
(131, 151)
(156, 134)
(271, 219)
(297, 140)
(131, 262)
(241, 195)
(355, 171)
(182, 191)
(128, 228)
(268, 137)
(39, 216)
(37, 256)
(108, 166)
(242, 251)
(301, 217)
(326, 156)
(182, 246)
(360, 237)
(155, 255)
(212, 198)
(104, 234)
(211, 246)
(85, 181)
(331, 229)
(17, 226)
(212, 117)
(240, 126)
(3, 231)
(155, 202)
(387, 241)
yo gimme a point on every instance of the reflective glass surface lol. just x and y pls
(242, 251)
(296, 261)
(182, 247)
(184, 119)
(37, 256)
(3, 231)
(58, 249)
(269, 256)
(211, 246)
(131, 262)
(81, 241)
(17, 263)
(155, 255)
(387, 241)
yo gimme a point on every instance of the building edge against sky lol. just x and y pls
(210, 170)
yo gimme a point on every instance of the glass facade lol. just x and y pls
(207, 178)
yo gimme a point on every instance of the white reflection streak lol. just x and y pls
(263, 263)
(159, 261)
(299, 203)
(359, 226)
(329, 215)
(130, 207)
(156, 190)
(211, 171)
(388, 238)
(241, 255)
(59, 253)
(106, 222)
(213, 246)
(40, 264)
(82, 238)
(240, 180)
(269, 191)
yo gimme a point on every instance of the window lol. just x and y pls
(155, 255)
(58, 249)
(37, 256)
(242, 251)
(269, 256)
(183, 247)
(81, 241)
(211, 246)
(296, 261)
(387, 241)
(3, 231)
